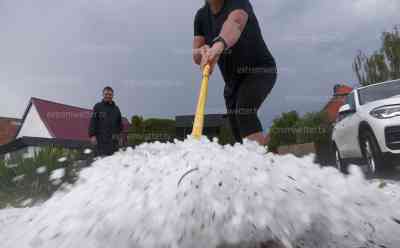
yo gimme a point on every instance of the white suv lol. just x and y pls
(367, 129)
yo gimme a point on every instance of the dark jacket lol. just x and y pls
(106, 121)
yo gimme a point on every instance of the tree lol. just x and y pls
(383, 64)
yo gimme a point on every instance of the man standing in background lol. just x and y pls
(106, 125)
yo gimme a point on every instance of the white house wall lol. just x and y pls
(33, 126)
(31, 151)
(26, 152)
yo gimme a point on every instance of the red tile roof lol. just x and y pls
(333, 106)
(342, 89)
(65, 121)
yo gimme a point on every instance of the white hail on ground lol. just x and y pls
(201, 194)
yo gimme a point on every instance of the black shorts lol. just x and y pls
(243, 98)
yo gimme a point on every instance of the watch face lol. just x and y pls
(220, 39)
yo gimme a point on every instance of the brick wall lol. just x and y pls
(8, 129)
(324, 155)
(299, 150)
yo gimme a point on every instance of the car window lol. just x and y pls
(379, 92)
(351, 101)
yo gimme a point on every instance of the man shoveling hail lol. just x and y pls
(227, 32)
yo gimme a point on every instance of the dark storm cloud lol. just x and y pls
(68, 50)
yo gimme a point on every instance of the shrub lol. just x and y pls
(19, 178)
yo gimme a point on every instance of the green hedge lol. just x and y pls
(290, 129)
(148, 130)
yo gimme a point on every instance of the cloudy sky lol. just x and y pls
(67, 50)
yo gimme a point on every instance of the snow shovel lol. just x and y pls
(201, 105)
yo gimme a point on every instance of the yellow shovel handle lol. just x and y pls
(198, 124)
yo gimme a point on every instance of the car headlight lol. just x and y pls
(386, 112)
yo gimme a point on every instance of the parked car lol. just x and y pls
(367, 129)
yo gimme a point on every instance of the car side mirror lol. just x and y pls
(346, 109)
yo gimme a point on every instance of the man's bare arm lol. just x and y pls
(231, 32)
(198, 43)
(234, 26)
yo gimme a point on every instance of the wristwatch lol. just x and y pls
(220, 39)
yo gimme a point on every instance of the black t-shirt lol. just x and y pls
(249, 55)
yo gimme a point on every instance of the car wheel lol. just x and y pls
(340, 164)
(372, 154)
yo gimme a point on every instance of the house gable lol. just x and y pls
(33, 126)
(52, 120)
